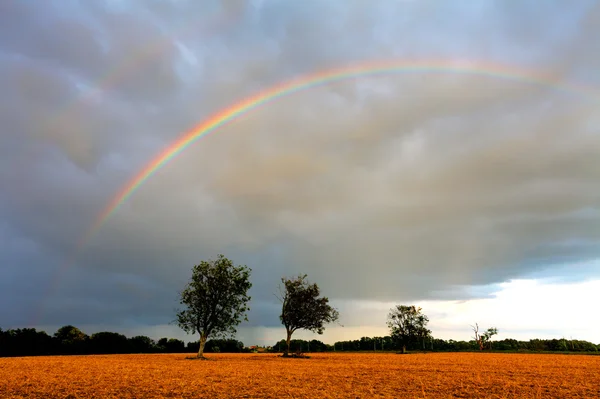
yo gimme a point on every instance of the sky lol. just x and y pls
(473, 195)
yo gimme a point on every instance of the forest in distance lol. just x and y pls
(70, 340)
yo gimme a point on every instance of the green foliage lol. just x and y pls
(407, 325)
(71, 340)
(216, 298)
(303, 309)
(486, 337)
(563, 345)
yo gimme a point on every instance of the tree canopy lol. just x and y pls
(407, 324)
(302, 308)
(216, 299)
(71, 338)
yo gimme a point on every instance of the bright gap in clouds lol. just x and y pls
(520, 308)
(517, 309)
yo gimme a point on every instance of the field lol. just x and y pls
(431, 375)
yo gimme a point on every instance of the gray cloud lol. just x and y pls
(396, 187)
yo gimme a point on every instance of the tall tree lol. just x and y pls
(303, 309)
(407, 325)
(216, 299)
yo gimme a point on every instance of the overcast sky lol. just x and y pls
(475, 197)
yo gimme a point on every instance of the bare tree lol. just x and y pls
(484, 340)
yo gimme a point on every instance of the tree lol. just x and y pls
(216, 299)
(224, 345)
(303, 309)
(407, 325)
(487, 336)
(108, 342)
(484, 339)
(141, 344)
(71, 340)
(175, 345)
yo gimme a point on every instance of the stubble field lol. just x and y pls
(432, 375)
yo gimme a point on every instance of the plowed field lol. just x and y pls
(432, 375)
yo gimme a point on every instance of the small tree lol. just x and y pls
(216, 299)
(487, 336)
(303, 309)
(485, 339)
(407, 325)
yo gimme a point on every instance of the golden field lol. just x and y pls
(332, 375)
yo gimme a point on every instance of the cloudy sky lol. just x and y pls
(476, 197)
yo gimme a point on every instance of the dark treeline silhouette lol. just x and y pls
(69, 340)
(440, 345)
(300, 345)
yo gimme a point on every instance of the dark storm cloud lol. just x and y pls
(389, 188)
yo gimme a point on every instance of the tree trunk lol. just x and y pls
(403, 349)
(202, 343)
(287, 342)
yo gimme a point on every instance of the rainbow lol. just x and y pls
(319, 78)
(227, 115)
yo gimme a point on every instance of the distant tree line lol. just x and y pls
(388, 344)
(69, 340)
(440, 345)
(300, 345)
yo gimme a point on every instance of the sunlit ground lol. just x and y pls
(432, 375)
